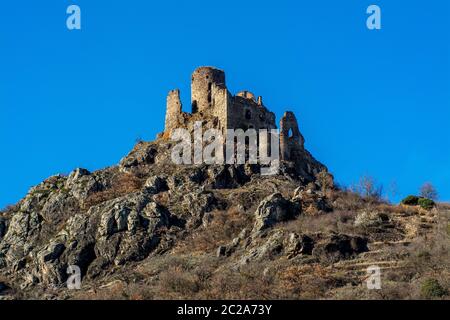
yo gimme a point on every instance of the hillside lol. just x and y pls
(149, 229)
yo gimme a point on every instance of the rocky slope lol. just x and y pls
(148, 229)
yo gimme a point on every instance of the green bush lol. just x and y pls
(411, 201)
(425, 203)
(419, 201)
(431, 288)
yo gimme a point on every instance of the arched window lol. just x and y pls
(290, 133)
(194, 106)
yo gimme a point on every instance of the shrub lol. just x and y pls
(427, 204)
(325, 180)
(411, 201)
(431, 288)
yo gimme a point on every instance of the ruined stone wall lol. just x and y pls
(202, 82)
(173, 111)
(221, 99)
(245, 112)
(292, 143)
(217, 108)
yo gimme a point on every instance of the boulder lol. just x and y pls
(312, 200)
(274, 209)
(298, 244)
(339, 246)
(143, 154)
(155, 185)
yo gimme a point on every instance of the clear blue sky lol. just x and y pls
(368, 102)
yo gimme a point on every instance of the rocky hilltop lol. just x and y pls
(150, 229)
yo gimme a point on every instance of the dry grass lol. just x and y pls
(9, 210)
(346, 200)
(336, 221)
(224, 226)
(124, 184)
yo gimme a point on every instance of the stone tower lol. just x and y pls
(173, 110)
(203, 80)
(291, 140)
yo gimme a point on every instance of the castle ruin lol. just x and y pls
(212, 103)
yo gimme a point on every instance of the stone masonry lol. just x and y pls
(212, 103)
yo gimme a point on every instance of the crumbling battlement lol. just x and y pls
(212, 102)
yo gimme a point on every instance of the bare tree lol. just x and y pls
(392, 190)
(429, 191)
(369, 188)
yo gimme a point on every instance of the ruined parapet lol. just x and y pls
(260, 101)
(203, 80)
(173, 111)
(246, 94)
(245, 112)
(291, 140)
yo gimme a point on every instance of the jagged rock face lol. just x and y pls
(112, 233)
(142, 155)
(274, 209)
(128, 228)
(94, 221)
(23, 231)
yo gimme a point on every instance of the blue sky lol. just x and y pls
(367, 102)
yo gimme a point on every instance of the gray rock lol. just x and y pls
(156, 185)
(143, 154)
(270, 248)
(128, 228)
(274, 209)
(298, 244)
(81, 183)
(197, 204)
(21, 237)
(75, 176)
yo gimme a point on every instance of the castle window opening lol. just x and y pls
(262, 117)
(290, 133)
(194, 106)
(248, 114)
(209, 92)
